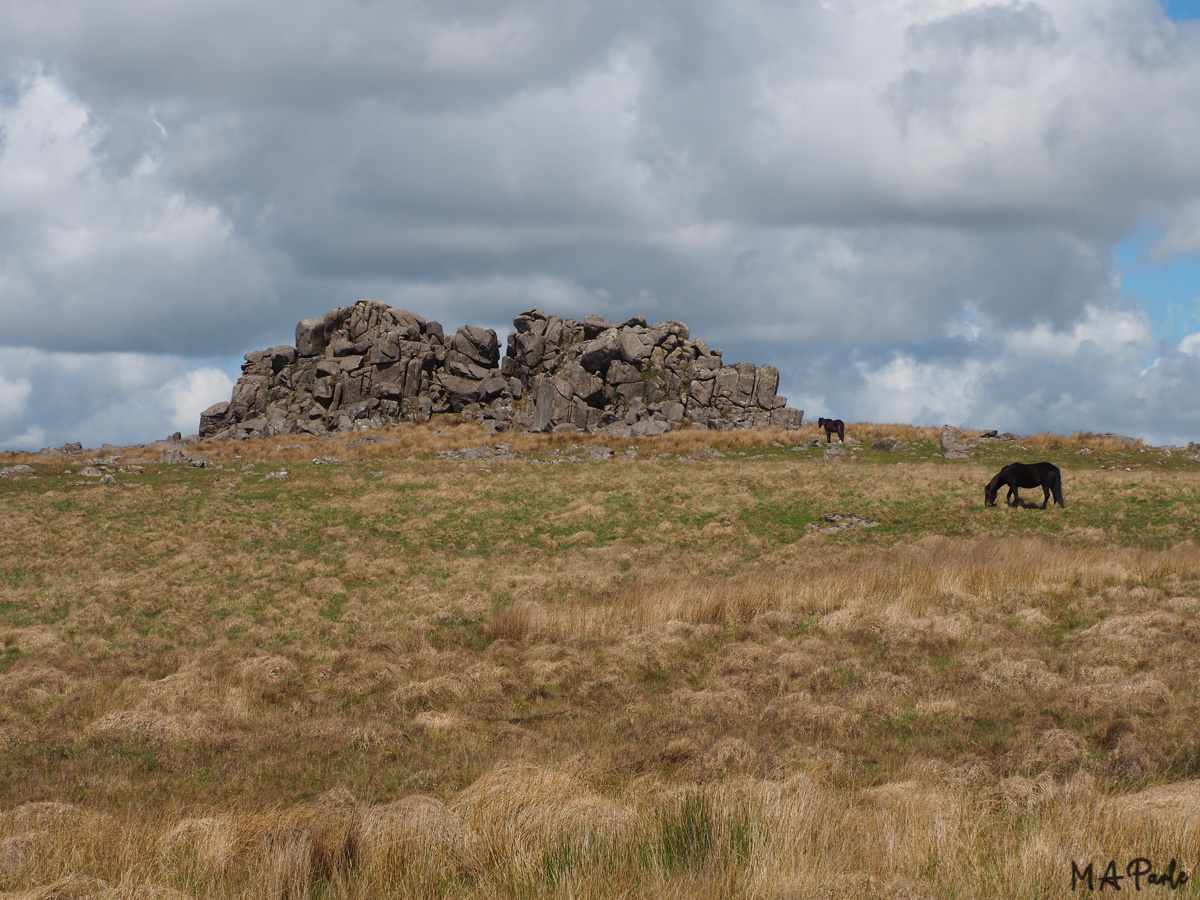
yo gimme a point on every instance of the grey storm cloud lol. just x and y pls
(312, 55)
(873, 196)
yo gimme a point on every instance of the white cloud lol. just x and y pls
(95, 258)
(13, 396)
(1114, 333)
(97, 398)
(1088, 377)
(32, 438)
(188, 396)
(906, 390)
(1190, 345)
(921, 195)
(48, 146)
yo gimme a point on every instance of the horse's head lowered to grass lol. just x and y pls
(993, 488)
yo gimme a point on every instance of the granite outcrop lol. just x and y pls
(372, 364)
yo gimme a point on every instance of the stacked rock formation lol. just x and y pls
(373, 364)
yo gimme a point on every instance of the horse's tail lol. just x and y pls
(1056, 489)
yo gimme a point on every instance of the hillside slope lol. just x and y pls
(436, 665)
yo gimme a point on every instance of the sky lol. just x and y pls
(920, 211)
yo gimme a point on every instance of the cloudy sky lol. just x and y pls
(923, 211)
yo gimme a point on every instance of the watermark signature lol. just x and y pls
(1136, 872)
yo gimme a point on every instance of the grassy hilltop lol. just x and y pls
(419, 673)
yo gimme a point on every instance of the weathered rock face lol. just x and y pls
(951, 443)
(375, 364)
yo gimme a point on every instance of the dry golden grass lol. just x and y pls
(446, 433)
(637, 678)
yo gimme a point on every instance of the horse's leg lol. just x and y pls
(1014, 496)
(1045, 496)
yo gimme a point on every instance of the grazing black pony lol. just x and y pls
(832, 425)
(1023, 475)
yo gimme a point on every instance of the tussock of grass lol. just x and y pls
(523, 829)
(440, 677)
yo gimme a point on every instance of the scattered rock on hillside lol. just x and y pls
(839, 522)
(1122, 438)
(368, 439)
(65, 450)
(468, 453)
(951, 443)
(951, 437)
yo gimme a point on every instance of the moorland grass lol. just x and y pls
(412, 675)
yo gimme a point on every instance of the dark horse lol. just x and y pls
(1023, 475)
(832, 425)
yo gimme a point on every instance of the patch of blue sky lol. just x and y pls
(1168, 291)
(1182, 10)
